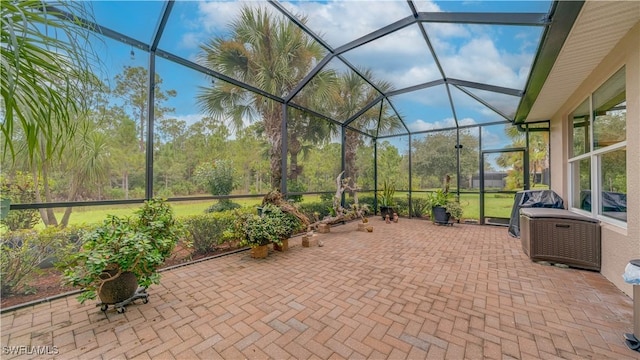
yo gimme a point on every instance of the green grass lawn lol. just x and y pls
(497, 205)
(96, 214)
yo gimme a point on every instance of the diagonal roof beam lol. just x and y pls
(402, 23)
(476, 98)
(314, 113)
(90, 25)
(415, 87)
(399, 117)
(308, 78)
(427, 40)
(205, 70)
(166, 11)
(453, 108)
(300, 24)
(315, 37)
(487, 87)
(524, 19)
(363, 110)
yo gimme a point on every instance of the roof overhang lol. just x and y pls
(597, 29)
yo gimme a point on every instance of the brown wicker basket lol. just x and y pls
(560, 236)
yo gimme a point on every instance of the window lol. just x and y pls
(598, 152)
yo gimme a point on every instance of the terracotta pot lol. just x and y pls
(260, 252)
(119, 289)
(283, 247)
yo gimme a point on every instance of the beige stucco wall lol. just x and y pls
(619, 245)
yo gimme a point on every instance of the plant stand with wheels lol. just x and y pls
(141, 293)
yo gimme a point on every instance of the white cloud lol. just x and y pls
(467, 52)
(190, 40)
(421, 125)
(216, 16)
(342, 21)
(190, 119)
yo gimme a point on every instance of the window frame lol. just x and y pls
(595, 157)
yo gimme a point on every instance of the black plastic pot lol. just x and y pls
(440, 215)
(384, 210)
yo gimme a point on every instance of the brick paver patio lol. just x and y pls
(407, 290)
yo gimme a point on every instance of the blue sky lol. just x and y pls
(498, 55)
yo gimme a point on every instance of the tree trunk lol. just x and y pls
(273, 132)
(294, 147)
(47, 215)
(43, 213)
(142, 128)
(125, 184)
(352, 139)
(73, 192)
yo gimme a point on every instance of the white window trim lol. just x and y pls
(595, 156)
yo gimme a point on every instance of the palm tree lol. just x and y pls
(88, 163)
(43, 74)
(352, 94)
(269, 53)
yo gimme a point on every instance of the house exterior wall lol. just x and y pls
(619, 245)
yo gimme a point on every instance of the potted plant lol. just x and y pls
(257, 232)
(386, 200)
(444, 207)
(437, 202)
(123, 254)
(454, 209)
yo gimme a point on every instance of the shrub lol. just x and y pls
(313, 209)
(327, 196)
(20, 189)
(25, 251)
(216, 177)
(296, 186)
(367, 200)
(402, 206)
(206, 231)
(222, 205)
(420, 207)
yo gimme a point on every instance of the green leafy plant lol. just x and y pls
(207, 231)
(295, 186)
(25, 252)
(138, 245)
(445, 200)
(19, 188)
(454, 209)
(222, 206)
(272, 227)
(419, 207)
(438, 198)
(385, 195)
(218, 178)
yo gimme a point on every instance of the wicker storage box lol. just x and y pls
(560, 236)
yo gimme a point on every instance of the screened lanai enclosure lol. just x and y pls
(142, 99)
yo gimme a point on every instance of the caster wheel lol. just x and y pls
(145, 300)
(120, 310)
(104, 307)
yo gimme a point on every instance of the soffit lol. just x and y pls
(598, 28)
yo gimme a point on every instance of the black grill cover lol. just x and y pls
(532, 199)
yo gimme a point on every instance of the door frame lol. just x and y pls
(483, 191)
